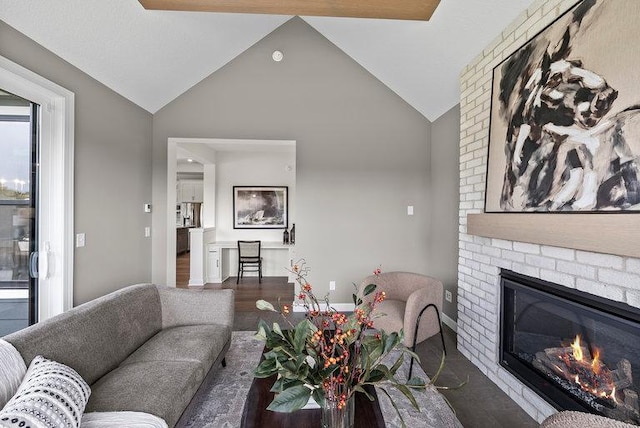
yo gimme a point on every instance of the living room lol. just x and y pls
(363, 155)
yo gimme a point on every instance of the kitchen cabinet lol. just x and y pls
(190, 191)
(214, 271)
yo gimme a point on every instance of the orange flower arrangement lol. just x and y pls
(329, 355)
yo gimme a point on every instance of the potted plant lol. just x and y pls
(330, 356)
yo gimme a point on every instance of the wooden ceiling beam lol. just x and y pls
(420, 10)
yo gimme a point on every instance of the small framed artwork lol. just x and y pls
(260, 207)
(565, 116)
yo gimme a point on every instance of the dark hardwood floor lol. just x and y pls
(478, 404)
(182, 270)
(272, 289)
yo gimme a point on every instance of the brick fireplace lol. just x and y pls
(577, 350)
(611, 276)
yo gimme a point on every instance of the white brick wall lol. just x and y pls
(480, 259)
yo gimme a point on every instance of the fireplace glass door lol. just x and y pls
(578, 351)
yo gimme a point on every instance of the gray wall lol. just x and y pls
(112, 172)
(445, 191)
(362, 154)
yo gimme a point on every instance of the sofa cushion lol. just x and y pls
(195, 307)
(162, 388)
(51, 395)
(12, 371)
(201, 344)
(95, 337)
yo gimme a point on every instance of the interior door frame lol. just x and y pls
(56, 215)
(224, 144)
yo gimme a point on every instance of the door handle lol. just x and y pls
(43, 262)
(33, 264)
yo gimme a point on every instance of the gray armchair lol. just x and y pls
(413, 303)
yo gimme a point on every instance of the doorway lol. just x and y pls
(220, 173)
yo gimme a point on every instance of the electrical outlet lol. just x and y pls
(147, 232)
(332, 285)
(447, 296)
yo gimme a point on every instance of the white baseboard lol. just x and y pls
(449, 322)
(344, 307)
(340, 307)
(349, 307)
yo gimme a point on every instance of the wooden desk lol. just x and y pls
(221, 254)
(266, 245)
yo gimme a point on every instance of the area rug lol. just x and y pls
(223, 404)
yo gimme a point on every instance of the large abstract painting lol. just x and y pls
(260, 207)
(565, 115)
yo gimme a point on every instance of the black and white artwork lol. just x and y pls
(565, 115)
(260, 207)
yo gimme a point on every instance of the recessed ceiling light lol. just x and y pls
(277, 56)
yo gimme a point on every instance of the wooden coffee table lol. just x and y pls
(256, 415)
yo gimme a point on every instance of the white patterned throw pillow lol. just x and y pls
(51, 395)
(121, 420)
(12, 371)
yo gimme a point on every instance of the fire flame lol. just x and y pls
(577, 349)
(578, 364)
(596, 364)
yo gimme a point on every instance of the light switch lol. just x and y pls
(147, 208)
(332, 285)
(409, 209)
(80, 240)
(147, 232)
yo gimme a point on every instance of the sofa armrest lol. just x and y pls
(192, 307)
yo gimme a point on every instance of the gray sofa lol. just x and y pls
(143, 348)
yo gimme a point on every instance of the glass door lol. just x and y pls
(18, 197)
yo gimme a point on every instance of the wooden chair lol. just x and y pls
(249, 259)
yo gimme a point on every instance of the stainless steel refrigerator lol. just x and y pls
(191, 213)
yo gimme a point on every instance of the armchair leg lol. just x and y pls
(224, 362)
(415, 334)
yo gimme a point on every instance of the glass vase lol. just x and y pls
(334, 417)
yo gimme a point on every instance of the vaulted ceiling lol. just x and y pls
(151, 57)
